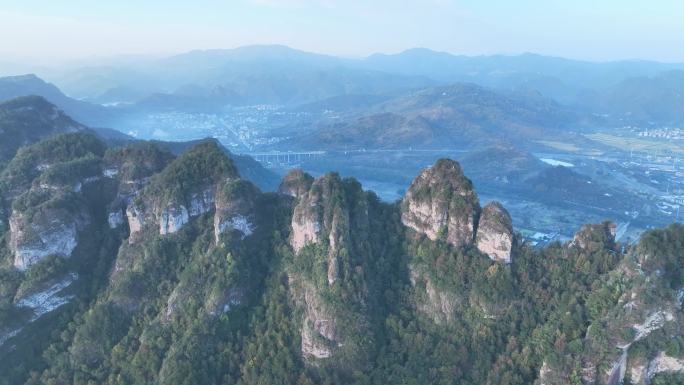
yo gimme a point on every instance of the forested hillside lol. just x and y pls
(130, 265)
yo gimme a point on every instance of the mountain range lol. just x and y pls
(157, 263)
(282, 75)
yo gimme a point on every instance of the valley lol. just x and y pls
(642, 171)
(329, 192)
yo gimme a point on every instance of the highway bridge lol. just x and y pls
(284, 157)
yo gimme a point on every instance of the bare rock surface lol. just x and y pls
(495, 235)
(441, 202)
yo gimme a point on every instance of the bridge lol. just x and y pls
(284, 157)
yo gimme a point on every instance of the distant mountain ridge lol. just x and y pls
(28, 119)
(447, 117)
(276, 74)
(30, 84)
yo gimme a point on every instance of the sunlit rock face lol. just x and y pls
(321, 214)
(307, 216)
(441, 203)
(331, 214)
(495, 232)
(46, 232)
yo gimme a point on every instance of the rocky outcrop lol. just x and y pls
(169, 218)
(34, 236)
(315, 212)
(323, 211)
(441, 202)
(172, 218)
(296, 183)
(184, 190)
(437, 304)
(136, 221)
(593, 237)
(333, 214)
(319, 330)
(495, 235)
(235, 209)
(663, 364)
(115, 218)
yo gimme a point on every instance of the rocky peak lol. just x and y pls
(28, 119)
(49, 185)
(317, 210)
(132, 166)
(593, 237)
(495, 235)
(45, 232)
(332, 213)
(296, 183)
(185, 189)
(441, 202)
(235, 208)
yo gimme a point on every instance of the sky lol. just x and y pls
(599, 30)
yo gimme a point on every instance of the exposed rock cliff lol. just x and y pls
(183, 190)
(441, 202)
(593, 236)
(235, 209)
(333, 215)
(495, 235)
(43, 233)
(58, 177)
(296, 183)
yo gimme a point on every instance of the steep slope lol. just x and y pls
(644, 100)
(184, 273)
(28, 119)
(449, 117)
(247, 166)
(30, 85)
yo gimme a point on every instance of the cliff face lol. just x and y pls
(441, 202)
(296, 183)
(328, 221)
(495, 236)
(235, 209)
(51, 214)
(35, 236)
(185, 189)
(319, 283)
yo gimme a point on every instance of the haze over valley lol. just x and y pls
(564, 140)
(325, 192)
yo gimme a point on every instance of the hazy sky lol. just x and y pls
(587, 29)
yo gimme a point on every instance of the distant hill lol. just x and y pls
(247, 166)
(25, 85)
(259, 83)
(275, 74)
(29, 119)
(501, 164)
(644, 99)
(26, 120)
(448, 117)
(563, 79)
(247, 75)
